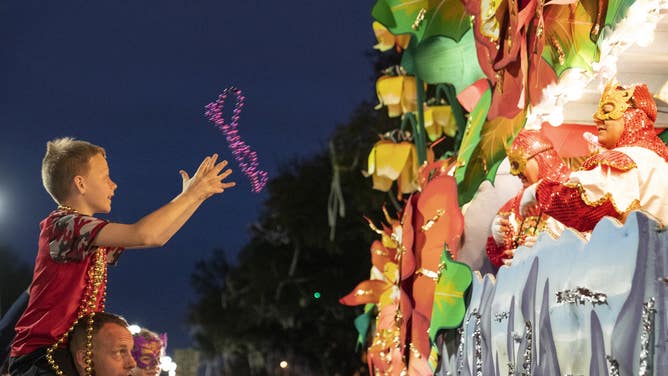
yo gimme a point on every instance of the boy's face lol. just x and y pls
(99, 188)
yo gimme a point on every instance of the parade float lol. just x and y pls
(475, 74)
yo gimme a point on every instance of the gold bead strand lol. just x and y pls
(96, 275)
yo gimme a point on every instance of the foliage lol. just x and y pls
(261, 309)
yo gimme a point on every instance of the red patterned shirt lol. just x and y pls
(64, 257)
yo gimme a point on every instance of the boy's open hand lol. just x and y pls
(208, 179)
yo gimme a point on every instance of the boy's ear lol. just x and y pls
(80, 184)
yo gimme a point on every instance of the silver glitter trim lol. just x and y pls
(646, 336)
(511, 369)
(613, 366)
(581, 295)
(498, 317)
(477, 343)
(528, 353)
(460, 348)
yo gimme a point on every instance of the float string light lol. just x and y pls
(246, 157)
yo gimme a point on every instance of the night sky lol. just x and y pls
(134, 77)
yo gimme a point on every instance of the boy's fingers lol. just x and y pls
(229, 184)
(220, 166)
(225, 174)
(184, 176)
(203, 166)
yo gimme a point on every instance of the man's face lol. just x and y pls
(112, 348)
(610, 130)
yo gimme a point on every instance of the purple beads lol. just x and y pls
(246, 157)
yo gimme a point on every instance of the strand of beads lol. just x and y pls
(97, 278)
(246, 157)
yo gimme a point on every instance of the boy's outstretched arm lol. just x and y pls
(155, 229)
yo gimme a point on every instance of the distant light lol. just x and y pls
(316, 295)
(167, 365)
(134, 329)
(4, 208)
(284, 364)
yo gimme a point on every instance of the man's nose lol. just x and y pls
(130, 362)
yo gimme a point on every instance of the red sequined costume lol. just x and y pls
(64, 260)
(632, 175)
(529, 144)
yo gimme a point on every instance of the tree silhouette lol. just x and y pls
(279, 301)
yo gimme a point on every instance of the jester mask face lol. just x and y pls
(147, 352)
(614, 102)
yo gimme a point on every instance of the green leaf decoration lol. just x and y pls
(439, 18)
(442, 60)
(488, 154)
(617, 10)
(664, 136)
(567, 36)
(472, 136)
(362, 323)
(398, 16)
(449, 304)
(446, 18)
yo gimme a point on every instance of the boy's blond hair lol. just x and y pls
(66, 158)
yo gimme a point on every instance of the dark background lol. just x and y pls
(134, 77)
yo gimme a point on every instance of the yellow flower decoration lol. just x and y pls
(439, 120)
(398, 93)
(387, 40)
(390, 161)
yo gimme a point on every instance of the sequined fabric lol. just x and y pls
(639, 124)
(532, 144)
(613, 159)
(566, 205)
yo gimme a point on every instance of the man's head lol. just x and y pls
(111, 345)
(532, 157)
(73, 171)
(625, 116)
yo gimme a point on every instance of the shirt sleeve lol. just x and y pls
(72, 236)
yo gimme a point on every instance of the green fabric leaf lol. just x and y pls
(617, 10)
(446, 18)
(398, 16)
(568, 41)
(441, 18)
(442, 60)
(495, 136)
(664, 136)
(449, 304)
(471, 138)
(362, 323)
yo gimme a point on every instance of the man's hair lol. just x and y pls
(65, 158)
(78, 336)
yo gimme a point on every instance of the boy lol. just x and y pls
(69, 280)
